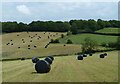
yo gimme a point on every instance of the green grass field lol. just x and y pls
(109, 30)
(65, 69)
(79, 38)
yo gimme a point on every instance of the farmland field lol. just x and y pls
(79, 38)
(12, 51)
(109, 30)
(65, 69)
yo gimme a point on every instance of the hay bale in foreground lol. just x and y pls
(51, 57)
(80, 57)
(42, 66)
(35, 60)
(102, 56)
(35, 46)
(49, 60)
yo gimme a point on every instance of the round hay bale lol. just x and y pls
(102, 56)
(28, 45)
(11, 43)
(30, 40)
(22, 39)
(105, 54)
(35, 46)
(18, 47)
(49, 60)
(51, 57)
(28, 48)
(84, 55)
(90, 54)
(64, 45)
(35, 34)
(35, 60)
(46, 46)
(23, 58)
(17, 35)
(42, 66)
(7, 43)
(80, 57)
(11, 40)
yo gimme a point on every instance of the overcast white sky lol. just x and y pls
(58, 11)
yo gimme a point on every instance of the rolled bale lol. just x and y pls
(35, 60)
(11, 40)
(51, 57)
(35, 46)
(90, 54)
(7, 43)
(42, 66)
(23, 58)
(22, 39)
(49, 60)
(102, 56)
(28, 45)
(84, 55)
(29, 48)
(18, 47)
(105, 54)
(17, 35)
(11, 43)
(30, 40)
(80, 57)
(64, 45)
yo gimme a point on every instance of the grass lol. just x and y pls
(65, 69)
(79, 38)
(109, 30)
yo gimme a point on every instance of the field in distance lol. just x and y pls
(109, 31)
(12, 51)
(79, 38)
(65, 69)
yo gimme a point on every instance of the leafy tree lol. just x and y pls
(69, 41)
(89, 45)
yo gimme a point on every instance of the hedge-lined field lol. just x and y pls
(65, 69)
(79, 38)
(109, 30)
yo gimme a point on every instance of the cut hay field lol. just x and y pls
(109, 30)
(12, 51)
(65, 69)
(79, 38)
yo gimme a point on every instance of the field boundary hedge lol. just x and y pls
(101, 33)
(59, 55)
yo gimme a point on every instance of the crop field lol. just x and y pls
(109, 30)
(12, 51)
(65, 69)
(79, 38)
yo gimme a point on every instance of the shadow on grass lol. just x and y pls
(37, 73)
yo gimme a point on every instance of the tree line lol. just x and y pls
(75, 26)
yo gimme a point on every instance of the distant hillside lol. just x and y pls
(109, 31)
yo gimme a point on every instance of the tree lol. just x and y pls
(69, 41)
(74, 29)
(62, 36)
(89, 45)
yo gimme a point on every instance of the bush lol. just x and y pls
(69, 41)
(54, 41)
(62, 36)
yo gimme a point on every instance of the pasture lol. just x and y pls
(79, 38)
(109, 30)
(65, 69)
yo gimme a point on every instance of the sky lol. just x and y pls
(58, 11)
